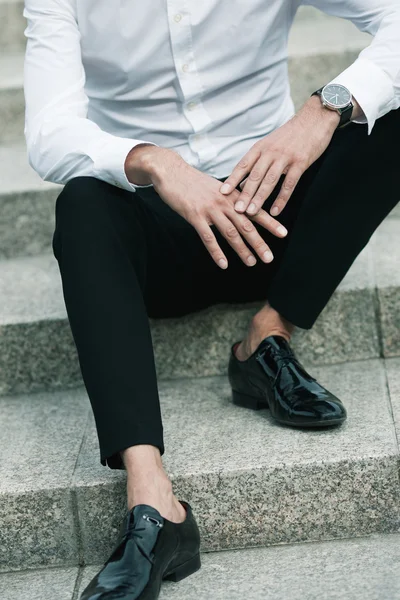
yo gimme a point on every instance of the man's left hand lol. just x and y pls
(289, 150)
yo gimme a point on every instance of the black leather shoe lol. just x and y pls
(273, 377)
(150, 549)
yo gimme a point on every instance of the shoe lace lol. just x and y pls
(283, 359)
(135, 533)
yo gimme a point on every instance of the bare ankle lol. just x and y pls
(148, 483)
(265, 323)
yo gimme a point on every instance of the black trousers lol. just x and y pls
(127, 256)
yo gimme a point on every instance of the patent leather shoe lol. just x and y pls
(272, 377)
(149, 549)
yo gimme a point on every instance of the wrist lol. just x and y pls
(139, 163)
(313, 109)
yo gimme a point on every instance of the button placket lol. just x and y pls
(185, 66)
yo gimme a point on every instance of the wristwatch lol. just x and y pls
(337, 97)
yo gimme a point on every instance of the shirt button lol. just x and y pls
(117, 184)
(185, 68)
(192, 105)
(177, 18)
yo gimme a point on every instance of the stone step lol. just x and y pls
(361, 321)
(319, 48)
(26, 206)
(12, 103)
(250, 481)
(12, 25)
(361, 569)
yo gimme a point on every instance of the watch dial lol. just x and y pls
(336, 95)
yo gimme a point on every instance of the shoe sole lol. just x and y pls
(245, 401)
(185, 570)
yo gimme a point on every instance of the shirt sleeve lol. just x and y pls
(374, 78)
(62, 142)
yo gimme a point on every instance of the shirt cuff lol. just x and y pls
(109, 161)
(371, 87)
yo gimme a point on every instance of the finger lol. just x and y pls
(242, 169)
(253, 182)
(269, 223)
(241, 185)
(235, 240)
(289, 183)
(250, 233)
(268, 183)
(210, 241)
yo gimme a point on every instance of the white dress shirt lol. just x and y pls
(207, 78)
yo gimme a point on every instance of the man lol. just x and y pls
(172, 126)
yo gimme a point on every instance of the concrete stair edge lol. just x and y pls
(360, 569)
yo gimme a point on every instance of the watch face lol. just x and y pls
(336, 95)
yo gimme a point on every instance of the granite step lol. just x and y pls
(360, 569)
(361, 321)
(250, 482)
(320, 47)
(12, 25)
(26, 205)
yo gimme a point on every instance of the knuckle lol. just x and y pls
(248, 226)
(301, 162)
(289, 183)
(271, 177)
(258, 244)
(243, 164)
(207, 237)
(255, 175)
(231, 232)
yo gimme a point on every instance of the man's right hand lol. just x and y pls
(196, 197)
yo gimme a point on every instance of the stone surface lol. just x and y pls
(36, 346)
(252, 482)
(12, 25)
(26, 205)
(39, 444)
(44, 584)
(37, 351)
(12, 104)
(393, 373)
(396, 212)
(361, 569)
(387, 274)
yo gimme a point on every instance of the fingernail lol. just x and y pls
(252, 208)
(251, 261)
(239, 205)
(225, 188)
(274, 211)
(268, 256)
(222, 263)
(282, 230)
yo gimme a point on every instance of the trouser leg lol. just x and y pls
(102, 258)
(125, 257)
(353, 188)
